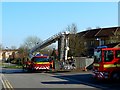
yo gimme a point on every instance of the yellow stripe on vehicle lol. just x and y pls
(42, 63)
(109, 65)
(96, 64)
(118, 65)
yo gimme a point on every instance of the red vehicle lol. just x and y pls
(39, 63)
(106, 63)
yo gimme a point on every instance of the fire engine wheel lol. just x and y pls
(115, 76)
(50, 66)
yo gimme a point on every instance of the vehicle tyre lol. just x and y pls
(115, 76)
(50, 66)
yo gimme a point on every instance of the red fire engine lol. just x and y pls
(39, 63)
(106, 63)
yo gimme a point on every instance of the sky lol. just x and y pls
(44, 19)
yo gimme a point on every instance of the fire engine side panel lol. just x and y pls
(113, 65)
(105, 68)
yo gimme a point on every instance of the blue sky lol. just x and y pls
(44, 19)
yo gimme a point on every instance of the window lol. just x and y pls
(41, 59)
(102, 42)
(92, 43)
(85, 43)
(118, 53)
(97, 56)
(108, 56)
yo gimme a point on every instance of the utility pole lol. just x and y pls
(99, 41)
(63, 44)
(66, 46)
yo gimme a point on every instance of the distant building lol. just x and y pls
(86, 41)
(7, 53)
(0, 54)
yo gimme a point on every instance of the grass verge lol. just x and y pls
(11, 66)
(14, 67)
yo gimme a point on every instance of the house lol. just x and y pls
(87, 40)
(113, 45)
(8, 53)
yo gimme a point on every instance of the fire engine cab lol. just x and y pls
(106, 63)
(41, 62)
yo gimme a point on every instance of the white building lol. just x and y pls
(5, 54)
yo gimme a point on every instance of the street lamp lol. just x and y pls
(8, 58)
(99, 41)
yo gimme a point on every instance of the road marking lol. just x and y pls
(3, 84)
(6, 83)
(9, 85)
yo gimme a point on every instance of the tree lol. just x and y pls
(13, 47)
(97, 27)
(72, 40)
(47, 50)
(1, 47)
(31, 41)
(72, 29)
(89, 28)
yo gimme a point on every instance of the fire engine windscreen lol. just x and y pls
(41, 60)
(97, 56)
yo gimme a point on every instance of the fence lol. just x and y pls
(83, 63)
(80, 63)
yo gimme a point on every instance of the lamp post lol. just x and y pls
(99, 41)
(7, 49)
(66, 44)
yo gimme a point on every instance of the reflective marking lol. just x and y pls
(42, 67)
(37, 67)
(101, 73)
(42, 63)
(118, 65)
(95, 64)
(109, 65)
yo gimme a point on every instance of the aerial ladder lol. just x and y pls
(63, 46)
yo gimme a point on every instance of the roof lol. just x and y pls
(100, 32)
(80, 34)
(112, 45)
(10, 50)
(92, 33)
(107, 32)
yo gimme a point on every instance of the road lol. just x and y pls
(18, 79)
